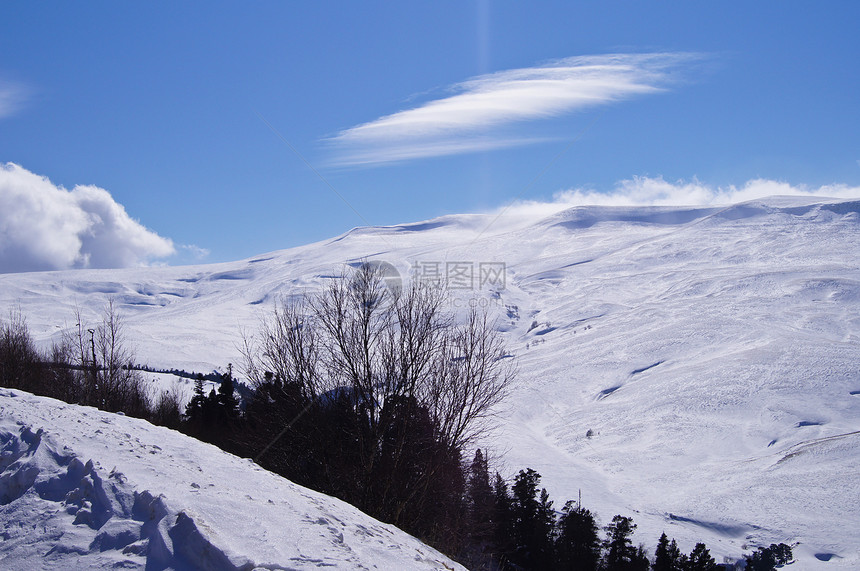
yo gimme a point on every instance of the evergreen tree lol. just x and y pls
(767, 558)
(667, 556)
(202, 425)
(678, 559)
(662, 562)
(620, 555)
(524, 511)
(198, 388)
(503, 521)
(760, 560)
(544, 537)
(226, 398)
(480, 504)
(700, 559)
(640, 561)
(533, 522)
(577, 545)
(193, 417)
(782, 553)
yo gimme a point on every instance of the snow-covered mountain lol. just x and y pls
(695, 368)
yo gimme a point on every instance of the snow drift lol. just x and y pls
(80, 488)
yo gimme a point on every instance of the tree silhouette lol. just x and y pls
(533, 522)
(768, 558)
(620, 555)
(700, 559)
(480, 504)
(578, 544)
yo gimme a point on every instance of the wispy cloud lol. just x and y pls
(479, 108)
(46, 227)
(430, 147)
(13, 95)
(196, 252)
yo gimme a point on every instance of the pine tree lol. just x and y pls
(640, 560)
(480, 503)
(193, 418)
(578, 544)
(620, 554)
(544, 535)
(524, 512)
(661, 555)
(503, 521)
(533, 522)
(676, 557)
(667, 556)
(210, 410)
(760, 560)
(198, 387)
(226, 399)
(767, 558)
(782, 553)
(700, 559)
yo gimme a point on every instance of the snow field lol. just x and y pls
(712, 352)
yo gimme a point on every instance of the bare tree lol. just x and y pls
(380, 344)
(119, 387)
(404, 365)
(66, 383)
(78, 349)
(106, 361)
(286, 348)
(470, 376)
(166, 410)
(19, 360)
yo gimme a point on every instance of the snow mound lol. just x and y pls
(80, 488)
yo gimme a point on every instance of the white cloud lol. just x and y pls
(428, 148)
(12, 97)
(44, 227)
(655, 191)
(465, 121)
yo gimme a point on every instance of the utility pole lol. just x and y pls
(92, 333)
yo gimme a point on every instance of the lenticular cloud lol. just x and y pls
(46, 227)
(472, 117)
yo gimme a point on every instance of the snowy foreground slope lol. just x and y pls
(697, 369)
(85, 489)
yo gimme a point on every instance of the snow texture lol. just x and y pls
(82, 489)
(694, 368)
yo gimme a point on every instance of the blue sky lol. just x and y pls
(244, 128)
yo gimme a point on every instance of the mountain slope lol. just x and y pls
(695, 368)
(81, 488)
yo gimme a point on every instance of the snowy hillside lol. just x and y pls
(694, 368)
(82, 488)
